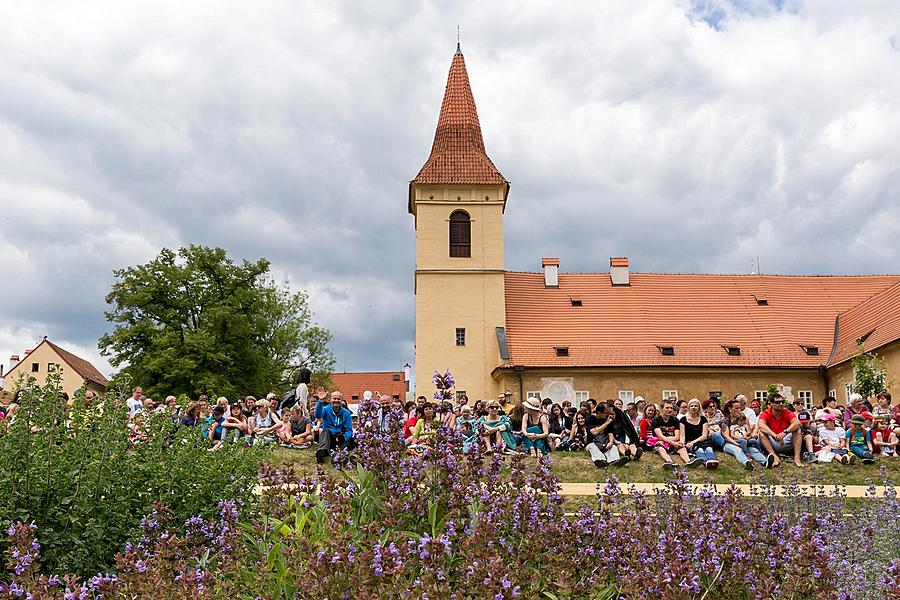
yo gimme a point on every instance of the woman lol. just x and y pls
(411, 422)
(829, 407)
(516, 415)
(560, 424)
(235, 425)
(448, 417)
(535, 427)
(714, 418)
(496, 429)
(297, 429)
(695, 434)
(578, 434)
(426, 427)
(265, 424)
(191, 416)
(467, 426)
(855, 408)
(645, 429)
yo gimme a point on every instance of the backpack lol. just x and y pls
(289, 399)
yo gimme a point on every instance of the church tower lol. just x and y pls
(458, 199)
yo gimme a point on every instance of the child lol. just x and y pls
(884, 440)
(215, 426)
(739, 430)
(296, 431)
(833, 441)
(859, 440)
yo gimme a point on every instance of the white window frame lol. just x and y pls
(580, 396)
(760, 396)
(833, 394)
(807, 397)
(626, 396)
(536, 394)
(848, 389)
(670, 395)
(51, 367)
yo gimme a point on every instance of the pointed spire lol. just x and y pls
(457, 154)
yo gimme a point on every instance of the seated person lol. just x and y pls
(535, 428)
(646, 425)
(337, 427)
(411, 421)
(779, 431)
(599, 426)
(859, 441)
(666, 437)
(833, 441)
(426, 427)
(215, 426)
(467, 425)
(496, 429)
(737, 433)
(560, 424)
(297, 428)
(884, 440)
(578, 433)
(695, 435)
(620, 434)
(265, 423)
(235, 425)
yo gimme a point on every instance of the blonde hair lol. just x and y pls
(222, 401)
(263, 403)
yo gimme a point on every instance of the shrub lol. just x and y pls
(76, 476)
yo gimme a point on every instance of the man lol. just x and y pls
(779, 431)
(337, 426)
(567, 409)
(640, 404)
(383, 415)
(632, 411)
(748, 412)
(598, 428)
(135, 402)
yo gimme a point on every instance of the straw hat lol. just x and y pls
(532, 404)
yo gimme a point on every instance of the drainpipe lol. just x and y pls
(519, 369)
(824, 373)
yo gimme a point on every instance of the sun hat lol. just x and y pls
(639, 399)
(367, 395)
(882, 417)
(857, 419)
(828, 417)
(532, 404)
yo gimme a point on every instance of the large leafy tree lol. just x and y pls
(195, 322)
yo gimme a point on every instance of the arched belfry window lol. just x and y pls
(460, 234)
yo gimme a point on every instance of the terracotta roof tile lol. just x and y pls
(696, 314)
(878, 318)
(457, 154)
(85, 369)
(354, 384)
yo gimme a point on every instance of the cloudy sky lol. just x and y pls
(688, 136)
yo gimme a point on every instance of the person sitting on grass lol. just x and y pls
(560, 424)
(448, 416)
(578, 434)
(236, 425)
(467, 426)
(645, 427)
(599, 427)
(779, 431)
(883, 406)
(191, 417)
(412, 414)
(695, 434)
(214, 433)
(337, 427)
(884, 440)
(265, 423)
(856, 408)
(136, 432)
(833, 442)
(535, 428)
(666, 437)
(296, 431)
(623, 435)
(738, 442)
(859, 441)
(496, 428)
(426, 427)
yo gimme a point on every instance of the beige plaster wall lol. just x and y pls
(842, 374)
(43, 356)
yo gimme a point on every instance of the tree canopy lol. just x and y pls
(195, 322)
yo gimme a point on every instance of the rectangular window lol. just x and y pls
(760, 396)
(35, 367)
(460, 394)
(670, 395)
(396, 377)
(533, 395)
(626, 396)
(51, 367)
(848, 389)
(581, 397)
(833, 394)
(806, 397)
(562, 350)
(460, 336)
(354, 398)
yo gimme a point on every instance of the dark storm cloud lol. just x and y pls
(689, 136)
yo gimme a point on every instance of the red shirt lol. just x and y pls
(885, 437)
(777, 425)
(407, 429)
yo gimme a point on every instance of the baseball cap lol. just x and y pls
(828, 417)
(867, 415)
(804, 416)
(754, 404)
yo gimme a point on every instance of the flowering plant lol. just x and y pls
(444, 383)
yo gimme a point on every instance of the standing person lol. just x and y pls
(695, 434)
(535, 427)
(598, 429)
(833, 441)
(337, 427)
(136, 402)
(779, 431)
(859, 441)
(666, 437)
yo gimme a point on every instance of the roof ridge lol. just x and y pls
(774, 275)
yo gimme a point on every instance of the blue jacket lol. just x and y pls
(341, 422)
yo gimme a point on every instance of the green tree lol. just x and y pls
(195, 322)
(868, 373)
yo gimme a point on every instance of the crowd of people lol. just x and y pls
(612, 433)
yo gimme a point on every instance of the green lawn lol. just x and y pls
(577, 468)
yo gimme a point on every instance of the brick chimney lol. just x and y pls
(551, 271)
(618, 271)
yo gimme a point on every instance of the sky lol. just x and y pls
(688, 136)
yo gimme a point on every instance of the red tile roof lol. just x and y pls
(877, 319)
(457, 154)
(696, 314)
(354, 384)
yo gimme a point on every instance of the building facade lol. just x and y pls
(615, 334)
(48, 358)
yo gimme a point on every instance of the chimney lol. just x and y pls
(13, 361)
(551, 271)
(618, 271)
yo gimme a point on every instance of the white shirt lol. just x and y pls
(751, 415)
(832, 436)
(134, 405)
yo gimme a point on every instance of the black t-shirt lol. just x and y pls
(666, 427)
(594, 422)
(692, 432)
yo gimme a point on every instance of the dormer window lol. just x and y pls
(562, 350)
(811, 350)
(862, 339)
(761, 299)
(732, 350)
(460, 234)
(667, 350)
(575, 301)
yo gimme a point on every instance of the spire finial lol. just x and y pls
(458, 49)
